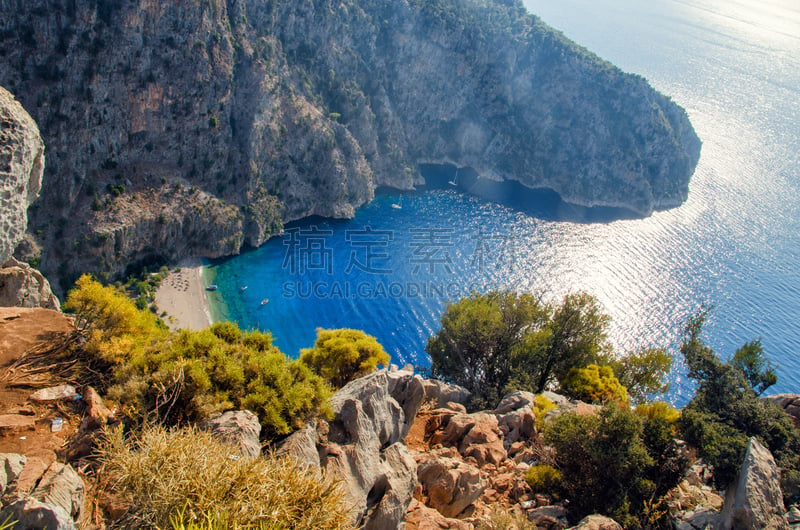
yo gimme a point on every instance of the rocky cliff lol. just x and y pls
(21, 169)
(280, 110)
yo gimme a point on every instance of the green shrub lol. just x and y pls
(543, 478)
(541, 406)
(341, 355)
(607, 467)
(185, 478)
(658, 410)
(594, 384)
(198, 373)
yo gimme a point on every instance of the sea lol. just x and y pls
(734, 65)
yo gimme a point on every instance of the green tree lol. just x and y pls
(643, 373)
(490, 343)
(474, 347)
(726, 410)
(341, 355)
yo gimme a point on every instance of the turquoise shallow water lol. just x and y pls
(735, 67)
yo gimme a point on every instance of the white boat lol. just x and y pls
(396, 206)
(454, 182)
(211, 287)
(265, 301)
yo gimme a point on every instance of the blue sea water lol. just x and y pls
(735, 244)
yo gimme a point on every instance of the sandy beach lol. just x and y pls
(182, 295)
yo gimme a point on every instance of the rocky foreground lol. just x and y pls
(409, 456)
(192, 128)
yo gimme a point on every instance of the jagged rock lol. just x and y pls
(21, 170)
(789, 403)
(549, 517)
(97, 414)
(421, 517)
(302, 446)
(409, 391)
(754, 500)
(476, 435)
(36, 515)
(519, 424)
(389, 497)
(11, 465)
(690, 497)
(442, 394)
(23, 286)
(514, 401)
(62, 487)
(793, 515)
(239, 428)
(597, 522)
(449, 484)
(364, 447)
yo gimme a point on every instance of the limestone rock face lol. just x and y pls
(23, 286)
(363, 446)
(239, 428)
(755, 500)
(282, 110)
(21, 170)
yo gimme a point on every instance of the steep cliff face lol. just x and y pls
(288, 109)
(21, 169)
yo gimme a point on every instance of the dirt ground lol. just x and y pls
(25, 427)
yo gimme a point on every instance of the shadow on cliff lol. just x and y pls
(538, 203)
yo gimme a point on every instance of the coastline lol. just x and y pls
(182, 296)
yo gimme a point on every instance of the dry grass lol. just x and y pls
(187, 479)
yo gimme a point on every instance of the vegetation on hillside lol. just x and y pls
(189, 375)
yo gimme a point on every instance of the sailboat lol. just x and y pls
(454, 182)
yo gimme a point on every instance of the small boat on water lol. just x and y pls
(211, 287)
(244, 288)
(396, 206)
(265, 301)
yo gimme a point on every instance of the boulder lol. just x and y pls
(790, 403)
(61, 486)
(515, 401)
(549, 517)
(239, 428)
(11, 465)
(97, 414)
(21, 170)
(363, 446)
(754, 500)
(421, 517)
(441, 393)
(519, 424)
(449, 484)
(597, 522)
(33, 514)
(23, 286)
(476, 435)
